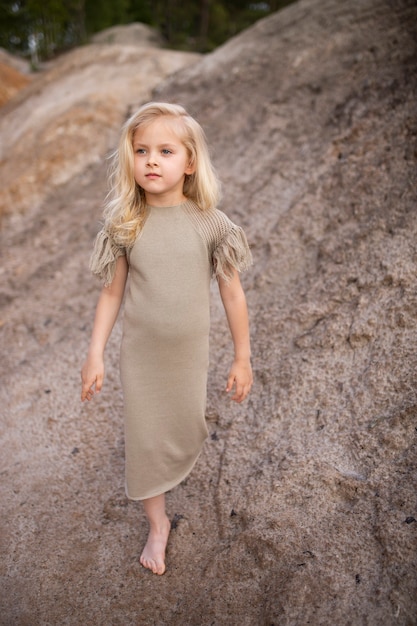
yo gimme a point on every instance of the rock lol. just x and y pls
(16, 62)
(11, 82)
(300, 507)
(80, 100)
(130, 34)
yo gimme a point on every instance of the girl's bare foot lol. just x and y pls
(153, 555)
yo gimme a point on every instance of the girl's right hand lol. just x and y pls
(92, 375)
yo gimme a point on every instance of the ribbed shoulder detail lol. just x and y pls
(212, 224)
(226, 243)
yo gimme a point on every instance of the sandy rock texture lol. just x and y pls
(302, 507)
(14, 75)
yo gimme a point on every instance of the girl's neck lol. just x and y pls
(164, 202)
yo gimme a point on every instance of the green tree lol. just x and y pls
(101, 14)
(46, 27)
(14, 23)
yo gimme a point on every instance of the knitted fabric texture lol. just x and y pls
(227, 246)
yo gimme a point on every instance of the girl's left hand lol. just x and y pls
(240, 380)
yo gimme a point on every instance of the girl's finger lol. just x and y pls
(87, 390)
(238, 392)
(230, 383)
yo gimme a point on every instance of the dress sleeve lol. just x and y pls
(104, 256)
(227, 246)
(231, 251)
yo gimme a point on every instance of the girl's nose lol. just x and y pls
(151, 161)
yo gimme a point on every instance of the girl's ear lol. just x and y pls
(190, 169)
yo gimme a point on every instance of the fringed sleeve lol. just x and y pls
(104, 256)
(227, 246)
(232, 252)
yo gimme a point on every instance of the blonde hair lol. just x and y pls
(124, 211)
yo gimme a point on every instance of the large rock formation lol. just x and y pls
(69, 117)
(302, 508)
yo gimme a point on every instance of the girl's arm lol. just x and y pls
(234, 302)
(108, 307)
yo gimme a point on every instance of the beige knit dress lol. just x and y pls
(164, 352)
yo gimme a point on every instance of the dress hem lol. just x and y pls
(169, 486)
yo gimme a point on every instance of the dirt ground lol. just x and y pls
(302, 507)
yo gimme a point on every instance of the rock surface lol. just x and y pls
(71, 115)
(14, 75)
(132, 34)
(302, 508)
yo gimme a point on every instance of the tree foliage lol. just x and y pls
(44, 28)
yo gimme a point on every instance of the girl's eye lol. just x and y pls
(140, 151)
(166, 151)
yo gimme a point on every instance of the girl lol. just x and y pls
(162, 228)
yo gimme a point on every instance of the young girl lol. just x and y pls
(162, 228)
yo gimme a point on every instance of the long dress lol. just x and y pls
(165, 343)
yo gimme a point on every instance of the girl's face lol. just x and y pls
(161, 162)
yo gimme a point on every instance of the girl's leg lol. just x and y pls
(153, 555)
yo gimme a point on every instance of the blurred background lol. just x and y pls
(41, 29)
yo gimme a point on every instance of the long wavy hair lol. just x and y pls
(124, 211)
